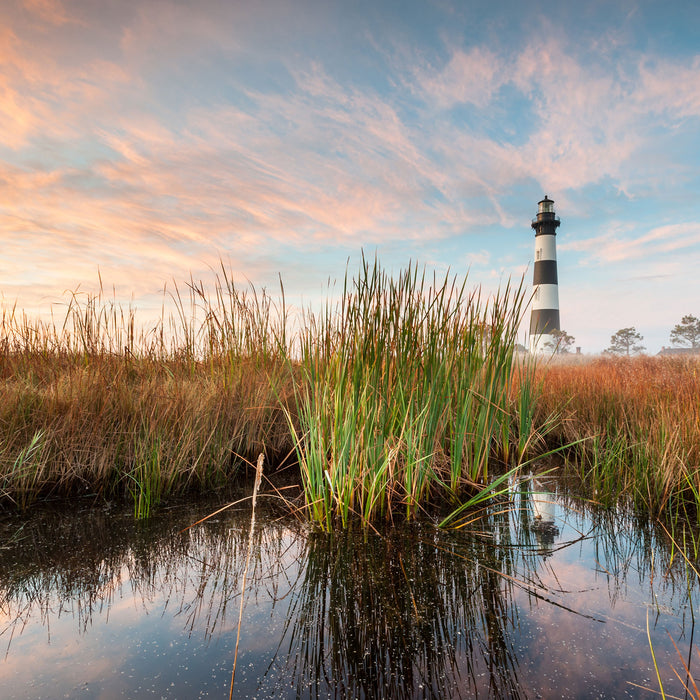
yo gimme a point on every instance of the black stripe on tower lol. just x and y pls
(544, 321)
(545, 272)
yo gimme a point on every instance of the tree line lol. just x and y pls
(628, 341)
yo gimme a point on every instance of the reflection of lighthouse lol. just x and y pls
(545, 300)
(543, 507)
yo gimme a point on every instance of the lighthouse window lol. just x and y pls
(538, 254)
(537, 294)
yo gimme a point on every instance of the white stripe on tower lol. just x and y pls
(544, 317)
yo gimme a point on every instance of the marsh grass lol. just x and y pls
(406, 395)
(89, 404)
(398, 394)
(402, 394)
(638, 421)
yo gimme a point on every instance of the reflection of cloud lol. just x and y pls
(53, 630)
(606, 616)
(67, 663)
(143, 616)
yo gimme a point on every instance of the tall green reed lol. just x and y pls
(406, 393)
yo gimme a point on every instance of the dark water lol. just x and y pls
(95, 605)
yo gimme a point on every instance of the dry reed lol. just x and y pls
(90, 405)
(639, 420)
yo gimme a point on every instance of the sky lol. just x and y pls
(145, 143)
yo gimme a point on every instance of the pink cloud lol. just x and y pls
(321, 163)
(611, 248)
(469, 76)
(670, 87)
(50, 11)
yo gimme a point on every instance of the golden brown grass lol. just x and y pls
(117, 425)
(91, 404)
(641, 421)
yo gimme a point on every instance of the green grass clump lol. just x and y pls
(406, 395)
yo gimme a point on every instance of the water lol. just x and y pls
(546, 599)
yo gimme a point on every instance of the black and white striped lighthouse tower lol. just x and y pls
(545, 300)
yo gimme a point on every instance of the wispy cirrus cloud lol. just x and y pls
(670, 87)
(50, 11)
(469, 76)
(587, 118)
(654, 245)
(187, 134)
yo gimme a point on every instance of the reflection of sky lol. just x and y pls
(601, 645)
(142, 650)
(173, 635)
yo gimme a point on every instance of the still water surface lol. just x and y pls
(545, 599)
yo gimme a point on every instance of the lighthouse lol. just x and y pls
(545, 300)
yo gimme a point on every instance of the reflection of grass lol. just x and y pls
(415, 612)
(379, 615)
(692, 577)
(251, 533)
(85, 561)
(406, 614)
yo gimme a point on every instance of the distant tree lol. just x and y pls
(562, 342)
(625, 342)
(687, 332)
